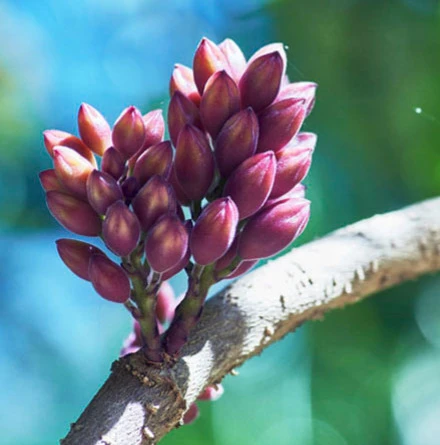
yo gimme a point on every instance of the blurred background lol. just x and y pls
(368, 374)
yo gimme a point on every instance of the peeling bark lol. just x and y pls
(139, 404)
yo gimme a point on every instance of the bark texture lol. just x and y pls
(139, 404)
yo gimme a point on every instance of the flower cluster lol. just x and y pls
(222, 193)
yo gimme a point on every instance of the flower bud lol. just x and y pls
(243, 267)
(273, 229)
(156, 160)
(181, 112)
(236, 141)
(182, 80)
(72, 170)
(49, 181)
(267, 49)
(225, 261)
(76, 255)
(214, 231)
(299, 191)
(165, 303)
(300, 90)
(220, 100)
(212, 393)
(113, 163)
(154, 199)
(279, 123)
(73, 214)
(179, 266)
(293, 164)
(109, 279)
(234, 57)
(121, 229)
(102, 191)
(129, 132)
(166, 243)
(130, 187)
(94, 129)
(178, 190)
(194, 162)
(207, 60)
(251, 183)
(154, 128)
(52, 138)
(261, 81)
(191, 414)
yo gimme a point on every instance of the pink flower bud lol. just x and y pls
(52, 138)
(220, 100)
(166, 243)
(267, 49)
(236, 141)
(72, 170)
(251, 183)
(300, 90)
(109, 279)
(154, 199)
(194, 162)
(191, 415)
(212, 393)
(130, 187)
(113, 163)
(179, 266)
(243, 267)
(207, 60)
(94, 129)
(273, 229)
(234, 57)
(166, 302)
(73, 214)
(154, 128)
(178, 190)
(299, 191)
(293, 163)
(76, 255)
(129, 132)
(223, 262)
(279, 123)
(181, 112)
(121, 229)
(214, 231)
(182, 80)
(102, 191)
(156, 160)
(261, 81)
(49, 181)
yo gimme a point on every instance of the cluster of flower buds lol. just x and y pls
(235, 160)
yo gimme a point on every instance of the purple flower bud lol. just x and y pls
(73, 214)
(234, 57)
(154, 128)
(156, 160)
(251, 183)
(102, 191)
(130, 187)
(191, 414)
(299, 191)
(182, 80)
(49, 181)
(178, 190)
(227, 259)
(94, 129)
(109, 279)
(154, 199)
(220, 100)
(261, 81)
(179, 266)
(166, 302)
(166, 243)
(121, 229)
(129, 132)
(273, 229)
(72, 170)
(300, 90)
(236, 141)
(113, 163)
(212, 393)
(181, 112)
(214, 231)
(52, 138)
(279, 123)
(293, 163)
(194, 162)
(243, 267)
(267, 49)
(76, 255)
(207, 60)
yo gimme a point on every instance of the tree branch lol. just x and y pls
(139, 404)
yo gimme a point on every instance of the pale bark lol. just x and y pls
(139, 404)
